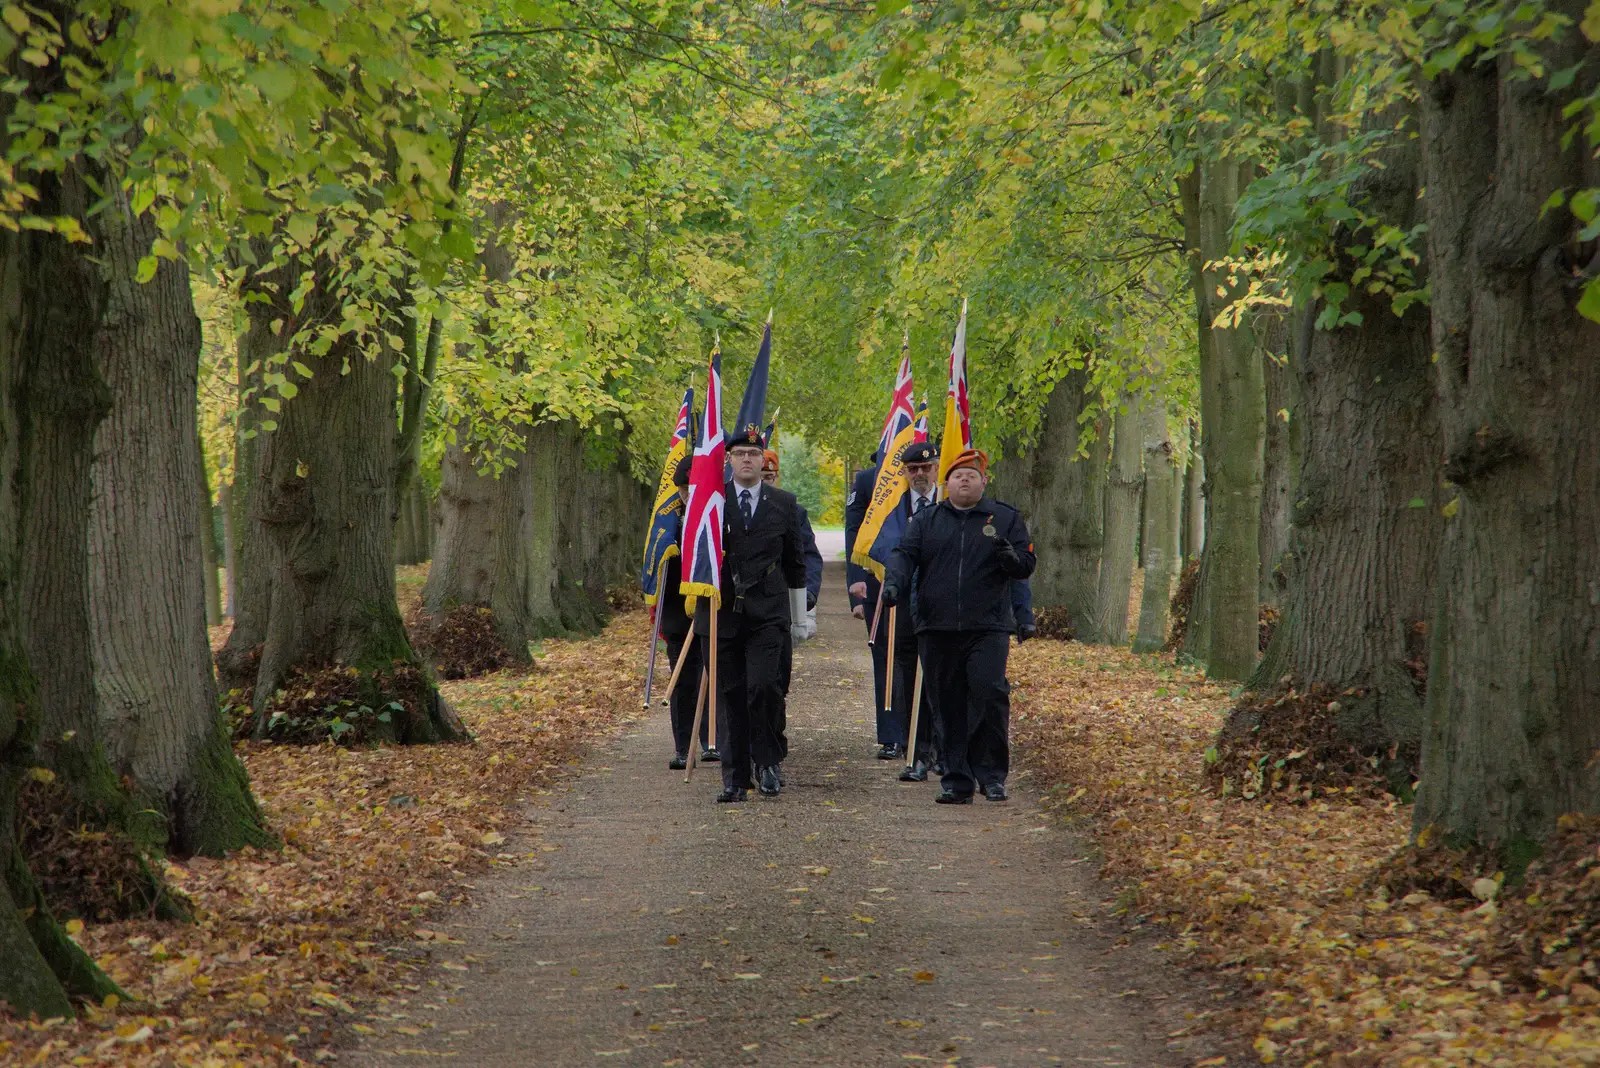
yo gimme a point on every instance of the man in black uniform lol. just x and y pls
(920, 461)
(863, 590)
(960, 559)
(675, 624)
(802, 603)
(762, 560)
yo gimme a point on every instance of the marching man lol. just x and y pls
(961, 556)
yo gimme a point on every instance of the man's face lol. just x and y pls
(920, 475)
(746, 461)
(769, 476)
(964, 486)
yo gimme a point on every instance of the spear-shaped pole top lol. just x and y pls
(769, 316)
(905, 337)
(963, 305)
(716, 339)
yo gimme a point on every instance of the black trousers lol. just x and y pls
(891, 727)
(680, 702)
(750, 676)
(905, 671)
(972, 700)
(783, 708)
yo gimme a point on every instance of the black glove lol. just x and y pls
(1025, 632)
(891, 595)
(1008, 552)
(811, 601)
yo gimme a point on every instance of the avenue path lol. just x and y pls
(850, 921)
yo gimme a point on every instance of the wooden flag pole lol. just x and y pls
(694, 730)
(916, 709)
(877, 614)
(711, 690)
(677, 669)
(888, 667)
(655, 640)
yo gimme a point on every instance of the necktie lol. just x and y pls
(921, 503)
(744, 507)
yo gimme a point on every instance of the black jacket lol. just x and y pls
(855, 511)
(759, 566)
(962, 582)
(674, 620)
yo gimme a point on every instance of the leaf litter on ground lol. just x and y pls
(295, 952)
(1287, 900)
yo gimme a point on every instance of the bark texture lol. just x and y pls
(1223, 629)
(1363, 553)
(1161, 493)
(1194, 499)
(1279, 455)
(1087, 533)
(1514, 685)
(1123, 485)
(155, 693)
(1044, 482)
(210, 553)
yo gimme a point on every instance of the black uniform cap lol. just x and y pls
(680, 474)
(919, 452)
(750, 435)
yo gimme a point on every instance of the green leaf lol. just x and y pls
(1417, 502)
(303, 228)
(146, 270)
(1589, 303)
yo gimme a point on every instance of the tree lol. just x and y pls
(1161, 560)
(1123, 485)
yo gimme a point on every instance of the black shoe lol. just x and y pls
(996, 791)
(768, 781)
(917, 772)
(889, 751)
(730, 794)
(938, 768)
(946, 797)
(710, 756)
(678, 763)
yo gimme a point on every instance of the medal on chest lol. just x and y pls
(988, 528)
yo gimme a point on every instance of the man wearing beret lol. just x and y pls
(959, 559)
(920, 463)
(802, 604)
(762, 560)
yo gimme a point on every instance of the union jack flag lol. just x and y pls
(957, 405)
(702, 526)
(900, 413)
(919, 430)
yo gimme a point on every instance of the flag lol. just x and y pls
(666, 518)
(957, 405)
(900, 413)
(919, 429)
(753, 408)
(885, 520)
(702, 542)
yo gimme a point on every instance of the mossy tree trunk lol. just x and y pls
(1362, 562)
(1161, 493)
(1123, 485)
(1086, 538)
(155, 692)
(1513, 706)
(1193, 535)
(1279, 454)
(1223, 631)
(324, 484)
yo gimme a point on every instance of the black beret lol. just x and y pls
(680, 474)
(750, 435)
(919, 452)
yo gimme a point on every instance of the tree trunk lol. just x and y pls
(1087, 533)
(1194, 499)
(1160, 532)
(1513, 708)
(51, 297)
(485, 555)
(1278, 457)
(1233, 410)
(1045, 483)
(1363, 551)
(1121, 524)
(209, 556)
(230, 547)
(155, 693)
(323, 490)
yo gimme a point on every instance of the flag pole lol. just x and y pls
(694, 728)
(916, 709)
(711, 675)
(655, 639)
(677, 669)
(877, 614)
(888, 666)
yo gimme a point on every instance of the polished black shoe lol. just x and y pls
(891, 751)
(917, 772)
(996, 791)
(948, 798)
(767, 781)
(732, 794)
(939, 768)
(678, 763)
(710, 756)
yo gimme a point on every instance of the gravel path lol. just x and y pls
(850, 921)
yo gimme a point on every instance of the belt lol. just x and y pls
(740, 586)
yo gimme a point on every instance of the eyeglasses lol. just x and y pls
(922, 467)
